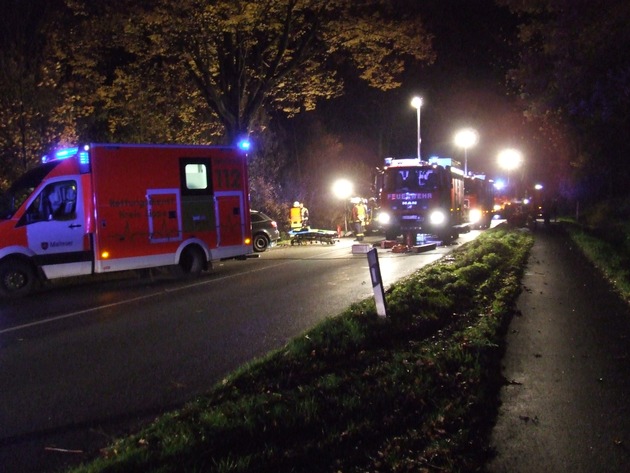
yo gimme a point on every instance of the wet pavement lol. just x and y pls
(566, 404)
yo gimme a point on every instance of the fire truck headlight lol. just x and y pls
(383, 218)
(437, 217)
(474, 216)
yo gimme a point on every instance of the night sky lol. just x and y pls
(464, 87)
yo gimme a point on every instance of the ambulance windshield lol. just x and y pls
(22, 189)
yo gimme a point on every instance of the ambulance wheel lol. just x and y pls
(261, 242)
(17, 278)
(192, 261)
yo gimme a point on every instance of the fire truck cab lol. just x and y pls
(101, 208)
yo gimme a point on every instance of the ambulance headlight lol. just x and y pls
(437, 217)
(474, 216)
(384, 218)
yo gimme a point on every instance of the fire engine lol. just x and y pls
(102, 208)
(478, 200)
(421, 198)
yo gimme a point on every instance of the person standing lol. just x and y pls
(304, 216)
(359, 213)
(295, 216)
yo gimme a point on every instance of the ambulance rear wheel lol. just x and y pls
(192, 261)
(17, 278)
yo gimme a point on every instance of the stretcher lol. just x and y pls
(313, 235)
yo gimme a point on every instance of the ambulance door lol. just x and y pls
(230, 207)
(55, 229)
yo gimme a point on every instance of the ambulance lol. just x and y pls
(101, 208)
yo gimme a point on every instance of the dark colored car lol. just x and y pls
(264, 231)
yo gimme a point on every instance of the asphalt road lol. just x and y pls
(84, 363)
(566, 404)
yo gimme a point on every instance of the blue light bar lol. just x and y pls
(66, 153)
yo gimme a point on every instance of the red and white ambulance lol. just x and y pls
(101, 208)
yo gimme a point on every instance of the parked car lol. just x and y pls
(264, 231)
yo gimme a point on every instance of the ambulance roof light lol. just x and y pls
(84, 157)
(63, 153)
(66, 152)
(244, 144)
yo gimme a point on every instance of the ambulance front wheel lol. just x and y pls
(17, 278)
(192, 261)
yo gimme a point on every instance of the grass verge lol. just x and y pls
(414, 392)
(610, 257)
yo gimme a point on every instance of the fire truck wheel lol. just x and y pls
(260, 243)
(446, 237)
(17, 278)
(192, 261)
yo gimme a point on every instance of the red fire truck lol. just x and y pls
(421, 198)
(101, 208)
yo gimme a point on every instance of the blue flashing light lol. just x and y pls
(244, 144)
(66, 153)
(499, 184)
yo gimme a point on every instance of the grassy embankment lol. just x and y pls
(414, 392)
(608, 250)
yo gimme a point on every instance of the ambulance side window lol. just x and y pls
(57, 201)
(68, 201)
(35, 211)
(196, 176)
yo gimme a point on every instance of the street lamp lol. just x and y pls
(416, 103)
(343, 189)
(466, 138)
(510, 159)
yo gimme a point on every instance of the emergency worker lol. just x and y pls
(304, 215)
(296, 216)
(359, 214)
